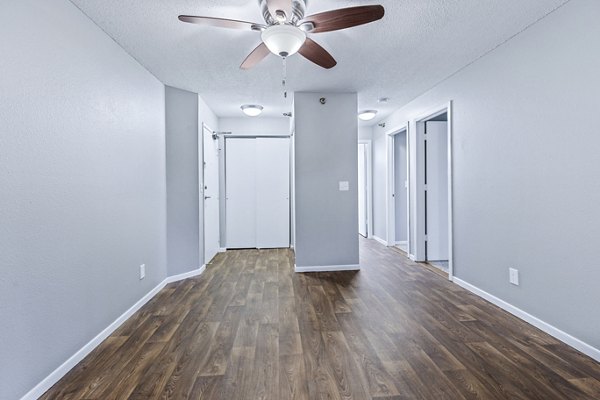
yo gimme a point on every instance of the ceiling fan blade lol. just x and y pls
(313, 51)
(283, 5)
(221, 23)
(344, 18)
(257, 55)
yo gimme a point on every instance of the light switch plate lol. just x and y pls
(344, 186)
(513, 276)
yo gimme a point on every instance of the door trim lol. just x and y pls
(419, 124)
(391, 186)
(369, 164)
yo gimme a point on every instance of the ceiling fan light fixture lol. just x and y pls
(283, 40)
(367, 115)
(252, 110)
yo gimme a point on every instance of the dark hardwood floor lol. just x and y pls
(250, 328)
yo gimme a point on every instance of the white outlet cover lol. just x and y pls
(142, 271)
(344, 186)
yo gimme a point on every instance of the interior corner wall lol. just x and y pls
(183, 229)
(326, 152)
(83, 186)
(525, 168)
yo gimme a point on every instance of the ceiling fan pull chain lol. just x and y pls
(283, 81)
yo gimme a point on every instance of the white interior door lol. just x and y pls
(272, 192)
(362, 190)
(210, 191)
(436, 180)
(240, 189)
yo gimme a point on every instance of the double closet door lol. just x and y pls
(257, 185)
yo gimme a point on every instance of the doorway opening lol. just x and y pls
(398, 193)
(365, 214)
(209, 193)
(434, 189)
(400, 190)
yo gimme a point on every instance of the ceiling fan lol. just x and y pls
(286, 28)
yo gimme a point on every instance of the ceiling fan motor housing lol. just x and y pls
(297, 12)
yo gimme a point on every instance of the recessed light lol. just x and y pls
(252, 110)
(367, 115)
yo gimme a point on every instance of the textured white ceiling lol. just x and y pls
(416, 45)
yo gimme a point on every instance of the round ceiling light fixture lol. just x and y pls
(252, 110)
(283, 40)
(367, 115)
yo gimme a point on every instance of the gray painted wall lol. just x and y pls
(183, 229)
(401, 191)
(526, 187)
(250, 126)
(82, 178)
(326, 152)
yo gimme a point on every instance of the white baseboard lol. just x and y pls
(380, 240)
(402, 243)
(222, 249)
(328, 268)
(62, 370)
(538, 323)
(186, 275)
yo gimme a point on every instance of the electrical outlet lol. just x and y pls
(142, 271)
(513, 276)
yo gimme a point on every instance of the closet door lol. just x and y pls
(240, 186)
(272, 192)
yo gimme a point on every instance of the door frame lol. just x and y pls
(391, 185)
(201, 189)
(419, 124)
(369, 184)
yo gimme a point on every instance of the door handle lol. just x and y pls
(206, 197)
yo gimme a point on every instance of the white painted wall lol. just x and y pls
(326, 152)
(253, 126)
(526, 164)
(83, 192)
(365, 132)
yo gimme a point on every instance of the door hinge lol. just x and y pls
(425, 187)
(425, 237)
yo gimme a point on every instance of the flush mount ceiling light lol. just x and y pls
(252, 110)
(367, 115)
(283, 40)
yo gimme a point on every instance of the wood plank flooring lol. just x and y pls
(250, 328)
